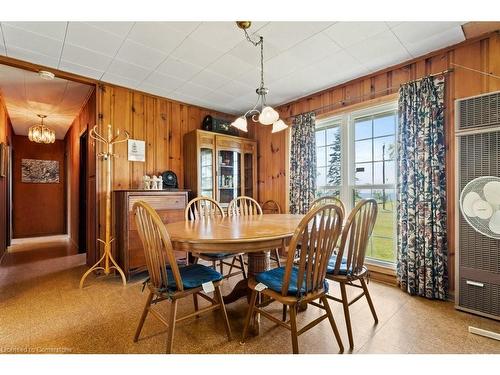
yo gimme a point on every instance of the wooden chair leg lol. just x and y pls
(219, 298)
(143, 316)
(242, 264)
(214, 266)
(277, 255)
(248, 319)
(231, 267)
(195, 303)
(293, 326)
(171, 326)
(345, 303)
(369, 299)
(284, 313)
(332, 323)
(221, 267)
(195, 260)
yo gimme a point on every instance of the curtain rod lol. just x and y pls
(319, 109)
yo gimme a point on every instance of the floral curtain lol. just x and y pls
(303, 163)
(421, 189)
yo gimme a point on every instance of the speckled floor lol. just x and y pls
(43, 311)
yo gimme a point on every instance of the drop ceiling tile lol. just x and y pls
(85, 71)
(218, 97)
(250, 54)
(120, 81)
(54, 30)
(347, 34)
(313, 49)
(178, 68)
(192, 89)
(26, 40)
(87, 36)
(128, 70)
(197, 53)
(284, 35)
(146, 87)
(141, 55)
(85, 57)
(184, 98)
(381, 50)
(250, 78)
(33, 57)
(281, 65)
(158, 35)
(184, 27)
(416, 32)
(440, 40)
(223, 35)
(229, 66)
(236, 89)
(210, 79)
(163, 81)
(120, 29)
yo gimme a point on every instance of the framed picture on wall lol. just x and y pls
(39, 171)
(3, 159)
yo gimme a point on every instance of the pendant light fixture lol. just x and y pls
(260, 112)
(40, 133)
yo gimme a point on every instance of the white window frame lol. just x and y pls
(346, 120)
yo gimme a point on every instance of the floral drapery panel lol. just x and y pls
(421, 189)
(303, 163)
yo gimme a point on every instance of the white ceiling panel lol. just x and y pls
(54, 30)
(29, 41)
(348, 33)
(157, 35)
(85, 57)
(178, 68)
(95, 39)
(26, 95)
(210, 63)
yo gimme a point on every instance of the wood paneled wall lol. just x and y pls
(5, 137)
(85, 120)
(160, 122)
(38, 209)
(482, 53)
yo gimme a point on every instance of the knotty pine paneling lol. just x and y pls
(482, 54)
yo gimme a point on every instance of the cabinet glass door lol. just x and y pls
(248, 175)
(228, 178)
(207, 167)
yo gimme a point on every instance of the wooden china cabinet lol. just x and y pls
(218, 166)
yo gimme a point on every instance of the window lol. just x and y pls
(356, 155)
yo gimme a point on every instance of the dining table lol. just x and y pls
(254, 235)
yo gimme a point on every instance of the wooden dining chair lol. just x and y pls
(272, 207)
(244, 206)
(169, 282)
(202, 208)
(304, 282)
(329, 199)
(347, 266)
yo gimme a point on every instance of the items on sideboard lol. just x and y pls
(169, 205)
(212, 124)
(221, 167)
(170, 180)
(152, 183)
(106, 156)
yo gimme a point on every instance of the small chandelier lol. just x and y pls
(40, 133)
(260, 112)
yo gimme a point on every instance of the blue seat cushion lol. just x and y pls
(331, 266)
(192, 276)
(216, 256)
(273, 279)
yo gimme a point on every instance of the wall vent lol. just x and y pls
(479, 112)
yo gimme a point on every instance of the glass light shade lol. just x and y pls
(279, 126)
(268, 116)
(240, 123)
(41, 134)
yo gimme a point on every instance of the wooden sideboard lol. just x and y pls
(169, 204)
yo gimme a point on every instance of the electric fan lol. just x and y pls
(480, 205)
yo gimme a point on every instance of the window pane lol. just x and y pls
(332, 135)
(363, 174)
(321, 176)
(363, 151)
(361, 194)
(383, 147)
(334, 172)
(390, 172)
(320, 138)
(328, 192)
(363, 129)
(383, 232)
(384, 125)
(321, 156)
